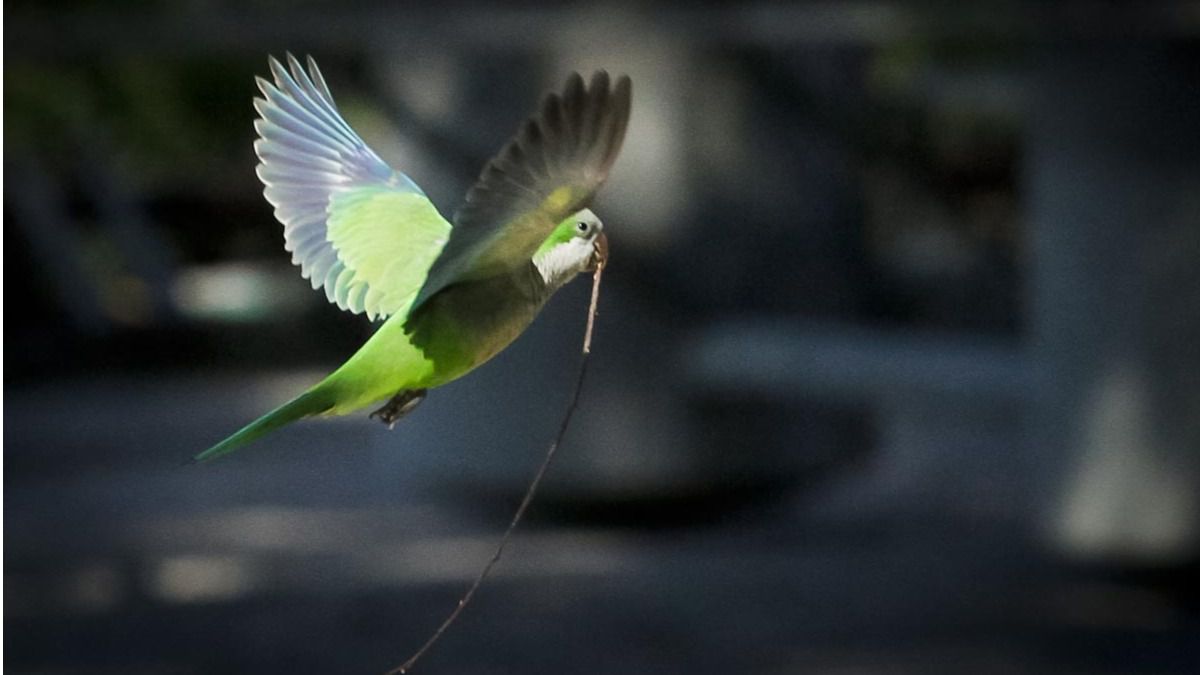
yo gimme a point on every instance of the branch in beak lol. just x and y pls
(599, 252)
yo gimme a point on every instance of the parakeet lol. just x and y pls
(452, 295)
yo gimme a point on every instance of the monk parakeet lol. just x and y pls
(452, 294)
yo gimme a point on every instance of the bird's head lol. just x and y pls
(576, 245)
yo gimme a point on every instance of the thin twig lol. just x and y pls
(533, 485)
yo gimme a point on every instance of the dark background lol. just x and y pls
(896, 369)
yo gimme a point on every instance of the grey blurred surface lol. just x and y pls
(338, 545)
(895, 370)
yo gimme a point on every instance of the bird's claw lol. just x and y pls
(399, 406)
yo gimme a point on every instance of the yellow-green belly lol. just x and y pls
(454, 332)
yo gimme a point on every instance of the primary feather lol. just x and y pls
(548, 171)
(356, 227)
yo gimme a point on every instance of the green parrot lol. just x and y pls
(453, 295)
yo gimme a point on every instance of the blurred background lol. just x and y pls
(896, 368)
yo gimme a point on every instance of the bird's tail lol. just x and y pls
(312, 402)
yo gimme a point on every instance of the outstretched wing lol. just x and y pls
(551, 169)
(356, 227)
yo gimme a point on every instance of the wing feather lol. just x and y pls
(552, 168)
(358, 229)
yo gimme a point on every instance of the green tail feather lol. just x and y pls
(312, 402)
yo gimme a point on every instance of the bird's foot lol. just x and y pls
(399, 405)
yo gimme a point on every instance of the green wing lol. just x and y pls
(551, 169)
(356, 227)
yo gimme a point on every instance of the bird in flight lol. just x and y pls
(452, 294)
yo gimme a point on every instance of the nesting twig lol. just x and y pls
(601, 260)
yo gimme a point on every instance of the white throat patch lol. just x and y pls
(561, 263)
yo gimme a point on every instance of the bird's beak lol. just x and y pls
(600, 252)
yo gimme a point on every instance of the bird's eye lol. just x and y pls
(581, 226)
